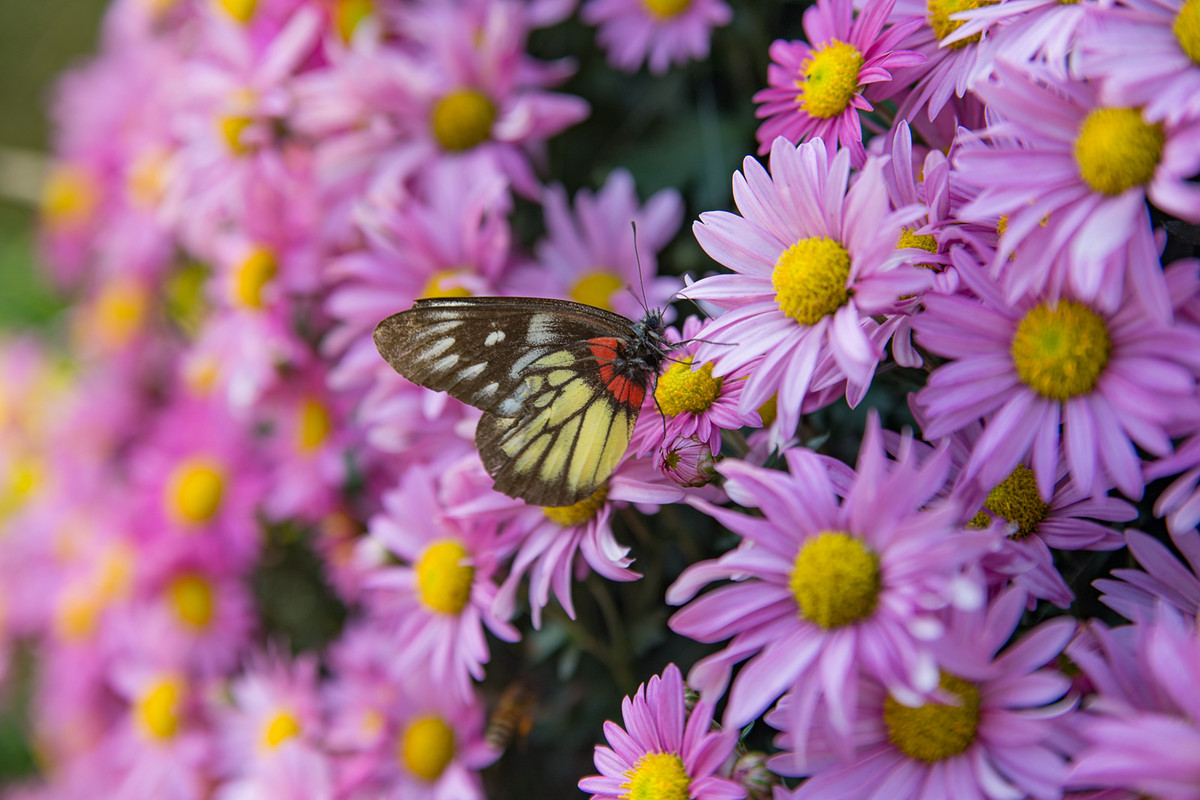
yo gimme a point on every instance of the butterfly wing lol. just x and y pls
(556, 422)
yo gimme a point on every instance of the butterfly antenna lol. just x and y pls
(638, 257)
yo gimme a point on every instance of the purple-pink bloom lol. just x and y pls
(816, 89)
(840, 577)
(1136, 594)
(815, 259)
(658, 33)
(664, 745)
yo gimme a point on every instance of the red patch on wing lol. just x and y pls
(623, 390)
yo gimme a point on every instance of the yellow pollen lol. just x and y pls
(427, 747)
(26, 475)
(665, 9)
(657, 776)
(769, 410)
(829, 79)
(581, 512)
(240, 10)
(146, 179)
(194, 491)
(157, 710)
(680, 389)
(1116, 151)
(596, 288)
(934, 732)
(69, 197)
(1187, 29)
(120, 309)
(835, 580)
(943, 26)
(76, 613)
(810, 279)
(463, 119)
(315, 424)
(192, 598)
(1060, 351)
(200, 373)
(283, 726)
(921, 241)
(444, 283)
(444, 581)
(251, 276)
(1016, 499)
(349, 13)
(231, 129)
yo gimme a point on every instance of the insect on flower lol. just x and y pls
(560, 383)
(512, 717)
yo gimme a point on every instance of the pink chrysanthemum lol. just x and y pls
(1146, 53)
(1137, 593)
(663, 751)
(816, 259)
(816, 89)
(588, 254)
(440, 599)
(1072, 176)
(991, 733)
(691, 402)
(1108, 380)
(1047, 32)
(826, 591)
(1140, 729)
(656, 32)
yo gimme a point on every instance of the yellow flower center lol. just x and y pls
(829, 79)
(315, 424)
(194, 491)
(444, 581)
(69, 197)
(680, 389)
(231, 128)
(1187, 29)
(146, 179)
(1016, 499)
(157, 710)
(1060, 351)
(579, 513)
(657, 776)
(596, 288)
(76, 613)
(934, 732)
(119, 311)
(427, 747)
(26, 474)
(835, 580)
(283, 726)
(1116, 151)
(251, 276)
(463, 119)
(665, 9)
(769, 410)
(192, 597)
(943, 26)
(348, 14)
(445, 283)
(810, 279)
(240, 10)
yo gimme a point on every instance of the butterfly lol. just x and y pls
(560, 384)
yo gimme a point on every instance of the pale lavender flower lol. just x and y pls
(658, 33)
(1137, 593)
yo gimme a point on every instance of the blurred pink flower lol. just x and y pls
(658, 33)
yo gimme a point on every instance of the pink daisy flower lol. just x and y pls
(1108, 380)
(1139, 728)
(688, 402)
(815, 259)
(1136, 594)
(664, 750)
(1146, 54)
(991, 732)
(1046, 32)
(395, 734)
(816, 89)
(1076, 208)
(588, 255)
(840, 577)
(440, 599)
(655, 32)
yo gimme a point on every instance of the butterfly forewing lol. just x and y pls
(560, 384)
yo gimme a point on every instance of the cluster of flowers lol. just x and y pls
(244, 188)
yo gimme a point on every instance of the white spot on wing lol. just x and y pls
(540, 329)
(472, 371)
(487, 391)
(446, 364)
(495, 337)
(524, 361)
(437, 348)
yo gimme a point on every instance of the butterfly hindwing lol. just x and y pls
(560, 384)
